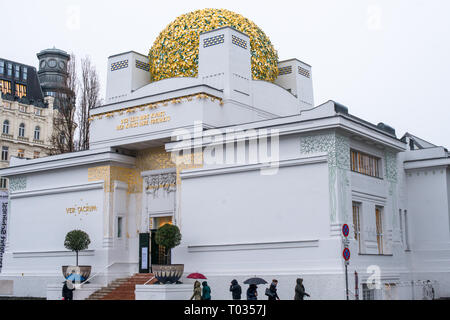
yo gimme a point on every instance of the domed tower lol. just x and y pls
(52, 70)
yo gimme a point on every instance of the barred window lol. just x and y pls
(379, 226)
(365, 164)
(357, 223)
(21, 90)
(5, 86)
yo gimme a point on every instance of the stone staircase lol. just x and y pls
(122, 289)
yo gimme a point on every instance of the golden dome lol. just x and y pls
(175, 50)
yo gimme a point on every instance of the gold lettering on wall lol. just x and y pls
(143, 120)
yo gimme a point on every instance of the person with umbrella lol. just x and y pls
(236, 290)
(252, 293)
(197, 295)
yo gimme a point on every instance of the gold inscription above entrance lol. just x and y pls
(143, 120)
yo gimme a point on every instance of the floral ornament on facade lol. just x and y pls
(175, 51)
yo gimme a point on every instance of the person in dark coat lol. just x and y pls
(300, 290)
(252, 293)
(236, 290)
(273, 291)
(206, 291)
(67, 291)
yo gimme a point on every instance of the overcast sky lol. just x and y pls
(388, 61)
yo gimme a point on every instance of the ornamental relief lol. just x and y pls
(391, 166)
(337, 147)
(17, 184)
(166, 181)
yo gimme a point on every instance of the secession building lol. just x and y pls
(212, 133)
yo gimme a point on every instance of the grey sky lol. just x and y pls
(388, 61)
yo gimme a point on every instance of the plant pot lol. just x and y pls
(168, 274)
(85, 271)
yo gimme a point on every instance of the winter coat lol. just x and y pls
(67, 293)
(300, 290)
(273, 290)
(252, 294)
(236, 290)
(197, 295)
(206, 293)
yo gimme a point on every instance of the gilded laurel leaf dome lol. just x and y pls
(175, 50)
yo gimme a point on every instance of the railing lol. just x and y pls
(103, 271)
(414, 290)
(145, 284)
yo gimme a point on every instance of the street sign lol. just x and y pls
(345, 230)
(346, 254)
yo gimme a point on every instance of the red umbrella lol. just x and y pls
(196, 276)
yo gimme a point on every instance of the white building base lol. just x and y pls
(164, 292)
(54, 291)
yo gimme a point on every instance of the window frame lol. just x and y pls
(357, 227)
(21, 153)
(22, 130)
(37, 131)
(5, 153)
(379, 228)
(6, 124)
(364, 163)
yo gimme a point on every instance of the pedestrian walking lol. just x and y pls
(197, 295)
(67, 290)
(300, 290)
(252, 292)
(271, 292)
(206, 292)
(236, 290)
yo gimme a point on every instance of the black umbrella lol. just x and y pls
(255, 280)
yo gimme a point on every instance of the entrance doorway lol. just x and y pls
(158, 253)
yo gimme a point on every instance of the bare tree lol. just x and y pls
(65, 106)
(89, 99)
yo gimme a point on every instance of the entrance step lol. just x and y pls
(122, 289)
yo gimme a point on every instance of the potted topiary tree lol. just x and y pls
(77, 241)
(169, 237)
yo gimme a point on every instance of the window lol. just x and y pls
(365, 164)
(36, 154)
(379, 227)
(119, 227)
(5, 86)
(16, 71)
(9, 66)
(22, 108)
(25, 73)
(5, 151)
(21, 153)
(2, 67)
(38, 112)
(6, 127)
(37, 133)
(357, 223)
(3, 183)
(368, 294)
(21, 90)
(22, 130)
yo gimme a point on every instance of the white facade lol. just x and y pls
(260, 214)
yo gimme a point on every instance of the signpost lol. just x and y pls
(346, 255)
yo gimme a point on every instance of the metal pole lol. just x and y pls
(346, 280)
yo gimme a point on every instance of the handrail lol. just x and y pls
(149, 281)
(103, 270)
